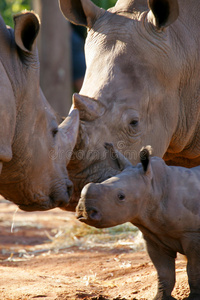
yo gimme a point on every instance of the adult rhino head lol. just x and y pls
(141, 85)
(34, 150)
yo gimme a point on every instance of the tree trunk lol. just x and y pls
(55, 55)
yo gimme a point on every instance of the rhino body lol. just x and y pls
(34, 150)
(141, 84)
(163, 202)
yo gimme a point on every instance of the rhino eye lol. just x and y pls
(134, 123)
(121, 196)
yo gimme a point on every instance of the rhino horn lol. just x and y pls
(89, 109)
(80, 12)
(70, 127)
(27, 26)
(117, 160)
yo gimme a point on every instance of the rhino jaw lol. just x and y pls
(42, 201)
(48, 203)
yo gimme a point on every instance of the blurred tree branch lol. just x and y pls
(10, 7)
(55, 55)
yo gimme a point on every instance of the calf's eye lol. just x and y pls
(121, 196)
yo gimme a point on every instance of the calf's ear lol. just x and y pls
(145, 154)
(81, 12)
(27, 26)
(163, 12)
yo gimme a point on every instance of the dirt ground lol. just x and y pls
(42, 258)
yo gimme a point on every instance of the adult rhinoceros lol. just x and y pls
(142, 84)
(33, 149)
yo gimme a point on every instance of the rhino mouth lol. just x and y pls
(88, 214)
(82, 218)
(51, 202)
(94, 219)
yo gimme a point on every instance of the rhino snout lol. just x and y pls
(87, 210)
(88, 214)
(60, 196)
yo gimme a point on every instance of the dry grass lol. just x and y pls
(86, 237)
(61, 230)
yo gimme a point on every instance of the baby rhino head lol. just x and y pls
(118, 199)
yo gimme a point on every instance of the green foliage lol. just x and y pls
(105, 3)
(10, 7)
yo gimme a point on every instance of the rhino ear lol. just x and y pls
(89, 109)
(163, 12)
(80, 12)
(27, 26)
(145, 154)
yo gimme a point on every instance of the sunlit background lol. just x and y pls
(59, 68)
(10, 7)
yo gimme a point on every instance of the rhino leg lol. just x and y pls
(193, 271)
(165, 265)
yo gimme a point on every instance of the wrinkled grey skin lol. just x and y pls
(141, 85)
(34, 150)
(163, 202)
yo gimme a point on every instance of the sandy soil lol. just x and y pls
(38, 261)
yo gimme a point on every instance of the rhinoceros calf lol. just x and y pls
(163, 202)
(34, 150)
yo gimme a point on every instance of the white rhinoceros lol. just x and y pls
(34, 150)
(141, 85)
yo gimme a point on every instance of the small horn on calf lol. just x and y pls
(89, 109)
(118, 159)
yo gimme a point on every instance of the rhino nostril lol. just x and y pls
(94, 214)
